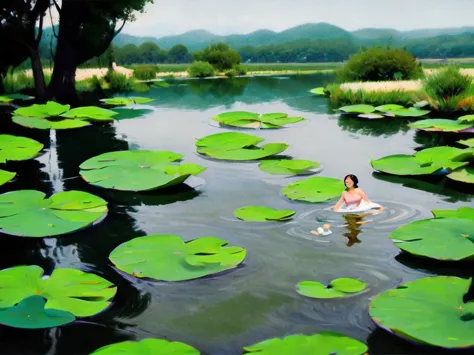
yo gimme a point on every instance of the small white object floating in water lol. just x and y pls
(323, 231)
(363, 206)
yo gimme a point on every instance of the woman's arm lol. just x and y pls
(363, 196)
(339, 203)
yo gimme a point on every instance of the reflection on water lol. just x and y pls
(222, 313)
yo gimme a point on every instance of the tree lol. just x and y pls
(21, 29)
(179, 54)
(86, 29)
(221, 56)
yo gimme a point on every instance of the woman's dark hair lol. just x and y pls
(354, 179)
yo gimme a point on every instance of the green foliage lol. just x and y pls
(119, 82)
(447, 87)
(221, 56)
(236, 70)
(201, 70)
(145, 72)
(380, 64)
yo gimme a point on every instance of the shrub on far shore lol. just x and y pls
(380, 64)
(145, 72)
(448, 88)
(201, 70)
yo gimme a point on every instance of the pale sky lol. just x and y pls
(169, 17)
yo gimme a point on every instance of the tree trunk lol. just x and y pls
(63, 81)
(2, 86)
(38, 75)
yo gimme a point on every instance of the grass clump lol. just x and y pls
(145, 72)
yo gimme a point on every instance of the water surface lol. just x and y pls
(221, 314)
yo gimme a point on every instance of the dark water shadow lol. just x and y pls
(373, 127)
(452, 190)
(382, 342)
(461, 269)
(436, 139)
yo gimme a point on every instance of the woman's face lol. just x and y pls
(349, 183)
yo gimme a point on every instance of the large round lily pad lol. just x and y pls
(137, 170)
(237, 146)
(425, 162)
(56, 116)
(74, 291)
(441, 239)
(262, 214)
(440, 125)
(288, 167)
(314, 189)
(428, 311)
(336, 289)
(362, 108)
(30, 313)
(461, 212)
(323, 343)
(27, 213)
(168, 258)
(147, 347)
(246, 119)
(18, 148)
(389, 107)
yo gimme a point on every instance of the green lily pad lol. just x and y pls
(362, 108)
(161, 84)
(288, 167)
(30, 313)
(237, 146)
(262, 214)
(467, 118)
(80, 293)
(5, 99)
(168, 258)
(323, 343)
(437, 124)
(92, 113)
(337, 288)
(43, 123)
(62, 213)
(50, 109)
(6, 176)
(124, 101)
(408, 112)
(461, 212)
(428, 311)
(425, 162)
(318, 91)
(13, 148)
(244, 119)
(229, 140)
(130, 113)
(137, 170)
(314, 189)
(439, 238)
(465, 174)
(147, 347)
(467, 142)
(389, 107)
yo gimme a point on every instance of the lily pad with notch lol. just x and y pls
(314, 189)
(79, 293)
(168, 258)
(337, 288)
(263, 214)
(62, 213)
(428, 311)
(13, 148)
(288, 167)
(137, 170)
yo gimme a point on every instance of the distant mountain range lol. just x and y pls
(198, 39)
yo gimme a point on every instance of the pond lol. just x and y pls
(220, 314)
